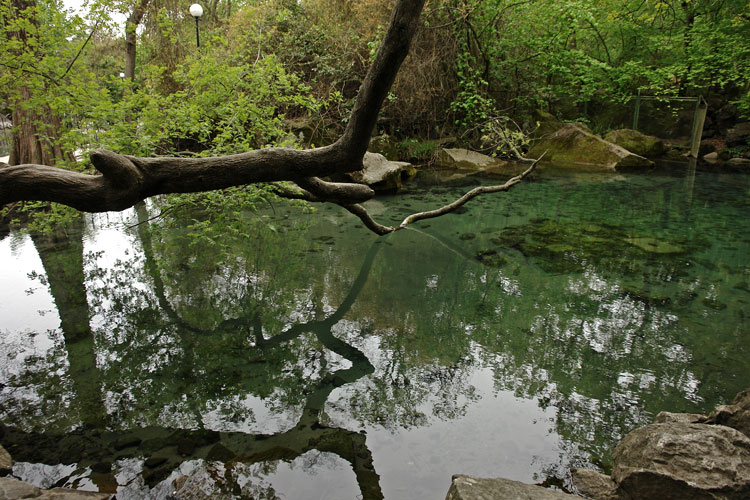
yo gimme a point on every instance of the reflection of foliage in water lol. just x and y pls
(189, 332)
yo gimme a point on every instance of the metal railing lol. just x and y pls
(5, 135)
(699, 116)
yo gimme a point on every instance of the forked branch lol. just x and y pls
(380, 229)
(125, 180)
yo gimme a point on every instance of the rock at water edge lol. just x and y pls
(644, 145)
(467, 159)
(472, 488)
(679, 461)
(574, 146)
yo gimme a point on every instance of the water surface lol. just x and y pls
(297, 355)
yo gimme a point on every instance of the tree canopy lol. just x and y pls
(292, 91)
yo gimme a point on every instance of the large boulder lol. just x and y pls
(382, 174)
(574, 146)
(736, 415)
(472, 488)
(679, 461)
(546, 124)
(593, 484)
(467, 159)
(641, 144)
(739, 135)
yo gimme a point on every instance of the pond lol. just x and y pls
(299, 356)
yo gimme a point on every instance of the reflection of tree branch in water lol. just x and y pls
(170, 447)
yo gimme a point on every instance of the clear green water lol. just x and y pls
(312, 359)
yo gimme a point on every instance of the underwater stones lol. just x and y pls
(636, 142)
(652, 245)
(473, 488)
(574, 146)
(491, 258)
(646, 299)
(713, 303)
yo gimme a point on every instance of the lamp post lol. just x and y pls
(196, 11)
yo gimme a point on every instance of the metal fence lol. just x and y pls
(699, 115)
(5, 135)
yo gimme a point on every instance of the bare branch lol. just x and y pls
(468, 196)
(380, 229)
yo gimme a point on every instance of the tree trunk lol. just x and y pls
(36, 131)
(131, 25)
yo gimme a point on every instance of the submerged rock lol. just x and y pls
(573, 145)
(641, 144)
(472, 488)
(652, 245)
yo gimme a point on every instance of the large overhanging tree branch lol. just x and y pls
(126, 180)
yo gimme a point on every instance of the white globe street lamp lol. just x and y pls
(196, 11)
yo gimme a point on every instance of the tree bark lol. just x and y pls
(36, 132)
(125, 180)
(131, 25)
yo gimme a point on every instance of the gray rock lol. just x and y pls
(736, 415)
(666, 417)
(739, 161)
(472, 488)
(574, 146)
(593, 484)
(382, 174)
(739, 135)
(464, 158)
(11, 489)
(679, 461)
(712, 157)
(6, 463)
(636, 142)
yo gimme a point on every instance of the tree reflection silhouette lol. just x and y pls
(99, 448)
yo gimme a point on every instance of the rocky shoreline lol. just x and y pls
(681, 456)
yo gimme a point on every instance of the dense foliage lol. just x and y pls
(282, 72)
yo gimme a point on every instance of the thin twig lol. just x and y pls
(80, 50)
